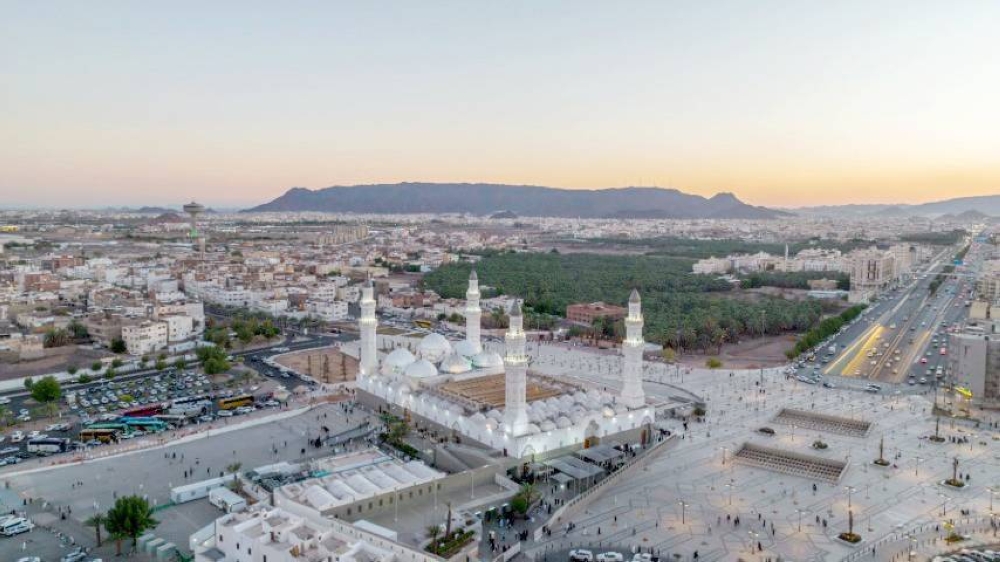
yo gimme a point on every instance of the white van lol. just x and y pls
(15, 526)
(17, 436)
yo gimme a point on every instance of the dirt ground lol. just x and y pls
(748, 354)
(326, 364)
(55, 360)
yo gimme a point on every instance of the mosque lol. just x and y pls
(495, 401)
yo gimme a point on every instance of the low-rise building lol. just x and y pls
(146, 337)
(586, 313)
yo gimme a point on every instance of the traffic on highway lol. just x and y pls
(902, 337)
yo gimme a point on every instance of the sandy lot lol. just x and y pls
(326, 364)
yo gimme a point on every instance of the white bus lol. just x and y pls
(48, 445)
(15, 526)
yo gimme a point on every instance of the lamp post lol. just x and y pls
(944, 505)
(850, 492)
(730, 486)
(683, 505)
(916, 470)
(799, 511)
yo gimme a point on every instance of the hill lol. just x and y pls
(961, 208)
(522, 200)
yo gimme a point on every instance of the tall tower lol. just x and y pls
(515, 415)
(632, 393)
(194, 210)
(368, 363)
(473, 313)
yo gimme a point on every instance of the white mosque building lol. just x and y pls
(494, 400)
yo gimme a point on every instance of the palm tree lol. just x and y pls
(130, 517)
(433, 532)
(235, 469)
(96, 521)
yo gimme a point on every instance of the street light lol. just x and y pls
(800, 512)
(683, 505)
(850, 492)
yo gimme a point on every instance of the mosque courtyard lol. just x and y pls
(690, 497)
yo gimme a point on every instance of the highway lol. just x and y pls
(898, 339)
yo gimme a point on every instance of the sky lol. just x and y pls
(784, 103)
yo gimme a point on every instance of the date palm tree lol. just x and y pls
(96, 521)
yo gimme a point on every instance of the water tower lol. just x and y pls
(193, 210)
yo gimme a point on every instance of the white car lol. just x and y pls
(610, 557)
(225, 413)
(17, 437)
(581, 555)
(642, 557)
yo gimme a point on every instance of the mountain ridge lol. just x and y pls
(523, 200)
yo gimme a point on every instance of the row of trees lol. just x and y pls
(214, 360)
(682, 310)
(699, 249)
(793, 279)
(825, 329)
(935, 238)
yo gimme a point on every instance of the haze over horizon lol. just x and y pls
(783, 104)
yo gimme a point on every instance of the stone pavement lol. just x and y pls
(688, 499)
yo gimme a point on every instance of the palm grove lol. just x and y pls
(684, 310)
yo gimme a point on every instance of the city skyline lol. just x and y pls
(786, 105)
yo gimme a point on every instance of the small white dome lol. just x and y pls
(494, 414)
(608, 412)
(420, 369)
(532, 429)
(491, 424)
(487, 360)
(434, 348)
(547, 426)
(465, 348)
(478, 417)
(395, 362)
(563, 422)
(455, 364)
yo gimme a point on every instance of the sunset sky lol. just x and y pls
(231, 103)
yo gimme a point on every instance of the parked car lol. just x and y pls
(581, 555)
(610, 557)
(766, 431)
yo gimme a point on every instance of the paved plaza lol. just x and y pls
(689, 498)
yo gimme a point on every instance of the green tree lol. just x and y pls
(95, 366)
(71, 369)
(668, 354)
(713, 363)
(28, 383)
(78, 330)
(130, 517)
(57, 337)
(161, 365)
(116, 363)
(46, 392)
(118, 346)
(180, 364)
(96, 521)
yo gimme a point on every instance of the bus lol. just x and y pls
(121, 428)
(146, 411)
(148, 425)
(235, 402)
(103, 435)
(48, 445)
(192, 399)
(425, 324)
(175, 420)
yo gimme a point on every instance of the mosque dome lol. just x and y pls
(487, 360)
(434, 348)
(563, 422)
(465, 348)
(455, 364)
(547, 426)
(396, 361)
(420, 369)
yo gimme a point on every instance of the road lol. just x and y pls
(899, 338)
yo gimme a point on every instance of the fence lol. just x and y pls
(907, 540)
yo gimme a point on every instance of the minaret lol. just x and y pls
(515, 415)
(473, 313)
(368, 363)
(632, 393)
(786, 257)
